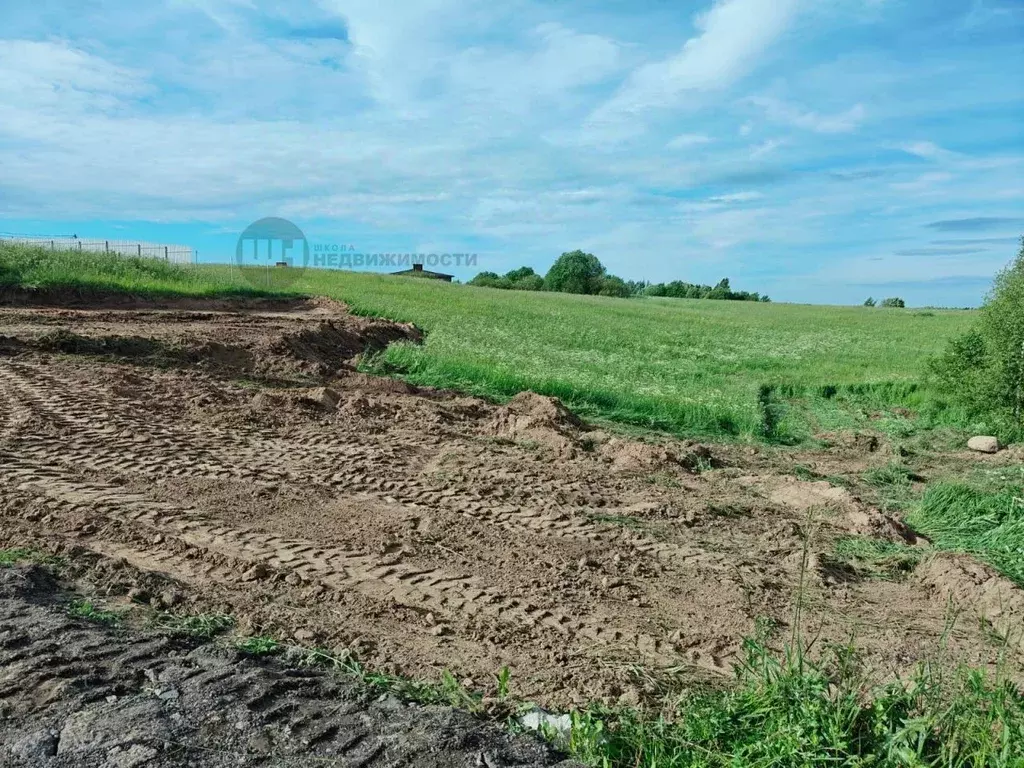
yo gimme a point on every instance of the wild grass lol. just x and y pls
(878, 559)
(15, 555)
(86, 609)
(986, 522)
(690, 367)
(792, 712)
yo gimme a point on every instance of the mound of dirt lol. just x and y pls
(977, 588)
(844, 509)
(536, 418)
(331, 344)
(633, 456)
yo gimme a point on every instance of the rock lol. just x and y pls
(984, 444)
(135, 755)
(325, 397)
(35, 747)
(305, 636)
(257, 573)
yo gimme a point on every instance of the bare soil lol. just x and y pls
(232, 457)
(77, 694)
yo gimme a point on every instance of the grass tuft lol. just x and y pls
(84, 609)
(987, 523)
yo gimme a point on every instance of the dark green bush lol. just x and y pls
(983, 370)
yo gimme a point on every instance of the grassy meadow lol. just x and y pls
(689, 367)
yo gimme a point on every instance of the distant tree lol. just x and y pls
(766, 300)
(575, 272)
(637, 287)
(869, 302)
(531, 282)
(894, 302)
(521, 279)
(614, 286)
(516, 275)
(490, 280)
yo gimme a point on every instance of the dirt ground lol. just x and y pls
(229, 458)
(74, 694)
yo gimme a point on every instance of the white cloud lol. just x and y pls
(47, 75)
(927, 150)
(688, 140)
(733, 35)
(737, 197)
(842, 122)
(766, 148)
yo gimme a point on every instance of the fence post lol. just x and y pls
(166, 254)
(79, 246)
(139, 245)
(106, 246)
(52, 246)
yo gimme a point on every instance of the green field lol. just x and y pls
(691, 367)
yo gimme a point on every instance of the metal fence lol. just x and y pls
(179, 254)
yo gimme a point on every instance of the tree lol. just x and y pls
(869, 302)
(614, 286)
(894, 302)
(531, 282)
(1002, 326)
(575, 272)
(515, 275)
(983, 370)
(489, 280)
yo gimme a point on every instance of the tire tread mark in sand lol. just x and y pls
(335, 568)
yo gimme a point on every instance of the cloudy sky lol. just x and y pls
(821, 151)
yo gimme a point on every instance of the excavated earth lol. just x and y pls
(229, 458)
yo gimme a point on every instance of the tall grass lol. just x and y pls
(987, 523)
(792, 713)
(686, 366)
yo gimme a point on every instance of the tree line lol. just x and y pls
(582, 273)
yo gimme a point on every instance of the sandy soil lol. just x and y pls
(233, 454)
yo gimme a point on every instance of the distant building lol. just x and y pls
(418, 271)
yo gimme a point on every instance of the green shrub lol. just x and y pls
(894, 303)
(614, 286)
(983, 369)
(869, 302)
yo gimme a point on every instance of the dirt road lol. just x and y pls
(232, 457)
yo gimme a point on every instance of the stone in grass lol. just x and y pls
(984, 444)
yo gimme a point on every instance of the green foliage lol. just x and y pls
(258, 646)
(793, 713)
(203, 626)
(869, 302)
(983, 369)
(611, 285)
(984, 522)
(16, 555)
(84, 609)
(521, 279)
(893, 303)
(723, 291)
(575, 272)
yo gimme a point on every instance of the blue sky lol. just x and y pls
(818, 151)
